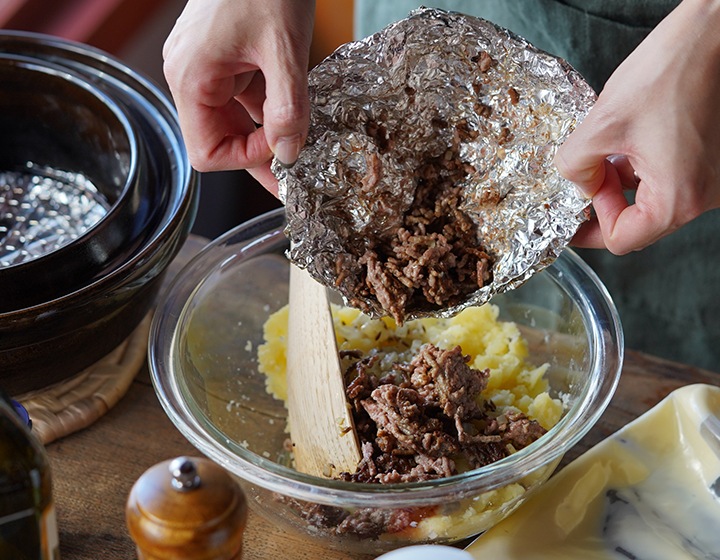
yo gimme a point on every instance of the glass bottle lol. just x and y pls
(28, 527)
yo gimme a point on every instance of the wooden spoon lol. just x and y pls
(321, 425)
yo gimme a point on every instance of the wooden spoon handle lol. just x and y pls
(321, 425)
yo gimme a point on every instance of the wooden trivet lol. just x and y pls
(75, 403)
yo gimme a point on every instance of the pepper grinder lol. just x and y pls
(187, 509)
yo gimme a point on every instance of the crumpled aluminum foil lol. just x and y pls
(422, 68)
(43, 209)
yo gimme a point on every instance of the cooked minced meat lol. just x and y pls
(432, 260)
(362, 522)
(415, 423)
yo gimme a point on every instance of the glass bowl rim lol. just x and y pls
(606, 336)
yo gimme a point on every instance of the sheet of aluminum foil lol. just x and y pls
(436, 84)
(43, 209)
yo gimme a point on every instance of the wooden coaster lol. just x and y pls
(75, 403)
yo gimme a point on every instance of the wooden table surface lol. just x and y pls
(93, 470)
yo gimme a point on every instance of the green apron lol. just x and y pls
(667, 294)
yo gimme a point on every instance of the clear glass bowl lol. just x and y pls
(203, 363)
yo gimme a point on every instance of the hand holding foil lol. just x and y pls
(427, 184)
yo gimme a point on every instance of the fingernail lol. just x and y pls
(287, 149)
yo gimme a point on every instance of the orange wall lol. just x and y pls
(333, 27)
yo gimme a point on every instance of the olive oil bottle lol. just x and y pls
(28, 528)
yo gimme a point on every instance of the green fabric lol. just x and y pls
(593, 35)
(668, 295)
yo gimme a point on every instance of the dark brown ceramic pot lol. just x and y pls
(58, 130)
(61, 312)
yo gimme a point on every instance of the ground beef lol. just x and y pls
(433, 259)
(414, 425)
(364, 523)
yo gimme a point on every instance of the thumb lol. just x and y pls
(581, 158)
(579, 163)
(286, 111)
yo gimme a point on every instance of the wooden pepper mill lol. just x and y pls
(187, 509)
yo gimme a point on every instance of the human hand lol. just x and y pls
(232, 65)
(655, 127)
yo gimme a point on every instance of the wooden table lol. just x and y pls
(93, 470)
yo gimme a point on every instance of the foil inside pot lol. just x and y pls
(43, 209)
(437, 86)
